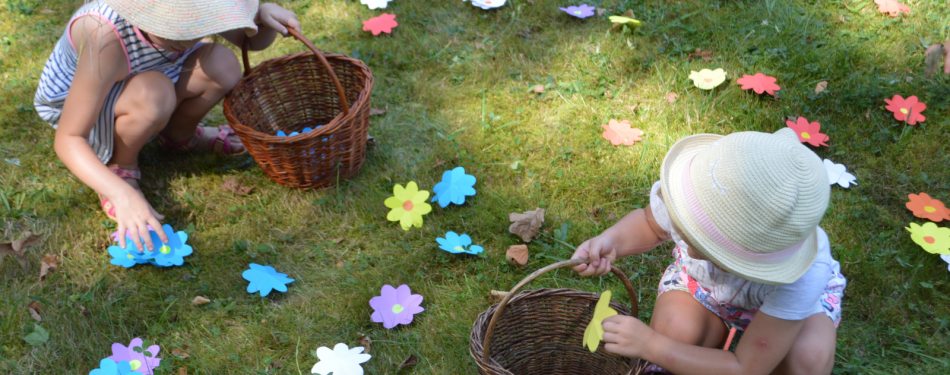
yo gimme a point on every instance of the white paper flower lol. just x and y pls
(375, 4)
(838, 174)
(488, 4)
(946, 258)
(340, 361)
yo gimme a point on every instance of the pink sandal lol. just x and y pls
(134, 174)
(191, 144)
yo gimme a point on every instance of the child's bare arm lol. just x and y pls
(635, 233)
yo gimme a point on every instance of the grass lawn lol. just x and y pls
(456, 81)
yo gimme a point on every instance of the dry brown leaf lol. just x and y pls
(517, 255)
(498, 295)
(671, 97)
(633, 108)
(50, 264)
(479, 45)
(821, 87)
(789, 119)
(183, 371)
(235, 187)
(181, 352)
(703, 54)
(364, 341)
(438, 163)
(601, 11)
(377, 111)
(199, 300)
(538, 89)
(409, 361)
(83, 310)
(608, 94)
(34, 308)
(527, 224)
(46, 11)
(19, 247)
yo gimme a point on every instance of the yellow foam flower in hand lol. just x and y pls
(408, 205)
(933, 239)
(708, 79)
(595, 329)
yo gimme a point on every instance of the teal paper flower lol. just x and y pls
(455, 244)
(265, 279)
(110, 367)
(455, 186)
(165, 255)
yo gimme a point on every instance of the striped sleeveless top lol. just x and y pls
(60, 68)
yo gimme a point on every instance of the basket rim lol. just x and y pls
(327, 128)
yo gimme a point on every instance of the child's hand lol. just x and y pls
(627, 336)
(276, 17)
(602, 252)
(135, 214)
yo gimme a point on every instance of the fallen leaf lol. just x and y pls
(671, 97)
(181, 352)
(335, 239)
(438, 163)
(527, 224)
(183, 371)
(601, 11)
(538, 89)
(199, 300)
(479, 45)
(633, 108)
(35, 311)
(83, 310)
(377, 111)
(703, 54)
(820, 88)
(50, 263)
(276, 365)
(611, 216)
(370, 142)
(19, 247)
(867, 115)
(517, 255)
(365, 342)
(498, 295)
(620, 133)
(38, 337)
(408, 362)
(235, 187)
(789, 119)
(46, 11)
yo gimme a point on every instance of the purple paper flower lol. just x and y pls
(580, 11)
(141, 359)
(395, 306)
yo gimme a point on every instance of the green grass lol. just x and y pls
(455, 80)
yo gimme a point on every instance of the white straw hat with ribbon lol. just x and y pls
(188, 19)
(750, 202)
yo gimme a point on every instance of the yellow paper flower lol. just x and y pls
(708, 79)
(595, 329)
(933, 239)
(408, 205)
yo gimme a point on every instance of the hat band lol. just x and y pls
(696, 210)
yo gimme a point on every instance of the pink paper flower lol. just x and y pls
(906, 109)
(382, 24)
(395, 306)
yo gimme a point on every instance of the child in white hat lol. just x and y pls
(743, 211)
(126, 71)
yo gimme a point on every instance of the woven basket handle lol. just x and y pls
(567, 263)
(336, 81)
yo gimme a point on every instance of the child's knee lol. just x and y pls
(221, 67)
(149, 98)
(806, 358)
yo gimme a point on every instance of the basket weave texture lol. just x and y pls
(542, 332)
(305, 89)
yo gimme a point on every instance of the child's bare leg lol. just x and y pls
(813, 352)
(142, 110)
(207, 75)
(681, 317)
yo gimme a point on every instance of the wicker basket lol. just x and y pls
(305, 89)
(542, 332)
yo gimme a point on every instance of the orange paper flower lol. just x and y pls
(808, 132)
(892, 7)
(925, 207)
(620, 133)
(906, 109)
(759, 83)
(382, 24)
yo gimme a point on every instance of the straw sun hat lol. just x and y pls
(188, 19)
(750, 202)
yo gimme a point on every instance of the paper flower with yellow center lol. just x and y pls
(933, 239)
(408, 205)
(708, 79)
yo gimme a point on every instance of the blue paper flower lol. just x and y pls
(280, 133)
(454, 187)
(265, 279)
(456, 244)
(165, 255)
(110, 367)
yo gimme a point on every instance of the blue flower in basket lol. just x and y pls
(456, 244)
(280, 133)
(455, 186)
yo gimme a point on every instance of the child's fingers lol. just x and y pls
(158, 229)
(121, 236)
(579, 267)
(136, 238)
(146, 236)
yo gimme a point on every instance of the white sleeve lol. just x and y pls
(802, 298)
